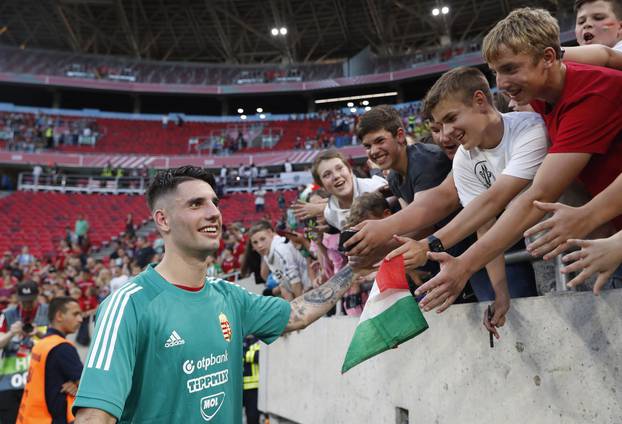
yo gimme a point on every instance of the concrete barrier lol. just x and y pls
(559, 361)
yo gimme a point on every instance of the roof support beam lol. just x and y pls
(127, 29)
(72, 38)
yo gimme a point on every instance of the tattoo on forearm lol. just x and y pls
(310, 306)
(320, 295)
(342, 279)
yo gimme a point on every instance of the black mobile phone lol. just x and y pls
(344, 237)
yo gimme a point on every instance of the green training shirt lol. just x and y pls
(161, 354)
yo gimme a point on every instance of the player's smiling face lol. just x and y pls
(336, 178)
(597, 24)
(384, 148)
(194, 221)
(519, 75)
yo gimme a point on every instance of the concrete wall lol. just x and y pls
(559, 361)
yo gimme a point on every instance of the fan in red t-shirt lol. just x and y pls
(89, 302)
(580, 105)
(85, 281)
(229, 263)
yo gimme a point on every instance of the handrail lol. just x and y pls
(561, 279)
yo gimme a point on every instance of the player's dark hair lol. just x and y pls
(167, 180)
(59, 304)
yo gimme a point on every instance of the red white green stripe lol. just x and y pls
(391, 316)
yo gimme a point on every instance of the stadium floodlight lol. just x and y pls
(242, 117)
(444, 10)
(353, 109)
(274, 31)
(435, 11)
(350, 104)
(365, 102)
(259, 110)
(240, 110)
(367, 108)
(262, 116)
(283, 31)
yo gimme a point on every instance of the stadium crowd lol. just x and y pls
(451, 202)
(35, 132)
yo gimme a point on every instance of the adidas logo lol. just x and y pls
(174, 340)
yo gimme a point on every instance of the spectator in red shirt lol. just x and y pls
(228, 262)
(581, 109)
(89, 301)
(85, 281)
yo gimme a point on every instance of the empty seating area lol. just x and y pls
(38, 220)
(150, 137)
(145, 137)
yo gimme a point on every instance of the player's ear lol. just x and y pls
(161, 220)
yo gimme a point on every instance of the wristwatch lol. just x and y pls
(435, 244)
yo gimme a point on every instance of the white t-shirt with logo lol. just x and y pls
(519, 154)
(287, 264)
(618, 46)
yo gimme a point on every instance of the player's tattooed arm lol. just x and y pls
(313, 304)
(94, 416)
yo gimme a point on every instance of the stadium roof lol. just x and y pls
(238, 31)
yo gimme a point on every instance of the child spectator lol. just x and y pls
(599, 22)
(228, 262)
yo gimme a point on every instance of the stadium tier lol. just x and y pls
(38, 220)
(239, 207)
(26, 131)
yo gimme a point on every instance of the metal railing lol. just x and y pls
(561, 279)
(81, 184)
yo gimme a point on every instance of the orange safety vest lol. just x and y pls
(34, 409)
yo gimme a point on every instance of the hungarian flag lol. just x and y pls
(391, 316)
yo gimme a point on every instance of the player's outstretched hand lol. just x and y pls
(567, 222)
(600, 257)
(445, 287)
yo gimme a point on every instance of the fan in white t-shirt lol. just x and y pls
(519, 154)
(286, 263)
(498, 157)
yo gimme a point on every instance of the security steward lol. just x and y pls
(251, 379)
(55, 369)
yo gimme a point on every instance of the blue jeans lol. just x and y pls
(520, 276)
(615, 281)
